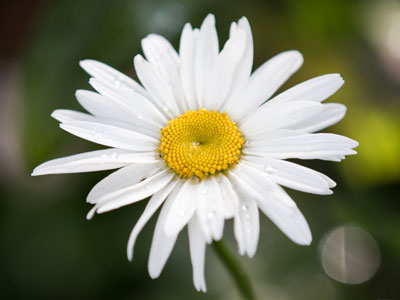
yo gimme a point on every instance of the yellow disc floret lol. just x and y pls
(200, 143)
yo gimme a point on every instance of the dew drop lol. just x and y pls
(268, 170)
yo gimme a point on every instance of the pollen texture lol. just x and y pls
(200, 143)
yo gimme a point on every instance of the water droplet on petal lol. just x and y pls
(268, 170)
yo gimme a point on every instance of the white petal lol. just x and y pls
(243, 70)
(315, 89)
(160, 53)
(229, 198)
(102, 107)
(271, 117)
(294, 226)
(246, 222)
(159, 91)
(275, 204)
(261, 184)
(247, 226)
(197, 245)
(265, 81)
(336, 158)
(210, 210)
(207, 49)
(154, 203)
(267, 136)
(292, 175)
(331, 114)
(272, 74)
(123, 178)
(134, 104)
(111, 135)
(156, 48)
(187, 60)
(180, 208)
(222, 74)
(66, 115)
(137, 192)
(303, 146)
(102, 71)
(162, 243)
(95, 161)
(223, 71)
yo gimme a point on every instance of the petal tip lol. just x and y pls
(244, 19)
(36, 172)
(91, 213)
(153, 272)
(85, 64)
(307, 239)
(129, 254)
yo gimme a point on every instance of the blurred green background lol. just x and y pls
(50, 251)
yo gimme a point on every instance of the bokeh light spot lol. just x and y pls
(350, 255)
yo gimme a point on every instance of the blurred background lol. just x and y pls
(50, 251)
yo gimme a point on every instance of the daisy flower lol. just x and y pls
(203, 137)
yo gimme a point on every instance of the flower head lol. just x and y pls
(203, 138)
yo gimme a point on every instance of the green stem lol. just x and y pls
(237, 272)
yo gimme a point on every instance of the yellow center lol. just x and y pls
(200, 143)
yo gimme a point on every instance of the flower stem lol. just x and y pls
(237, 272)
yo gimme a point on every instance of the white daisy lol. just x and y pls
(200, 138)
